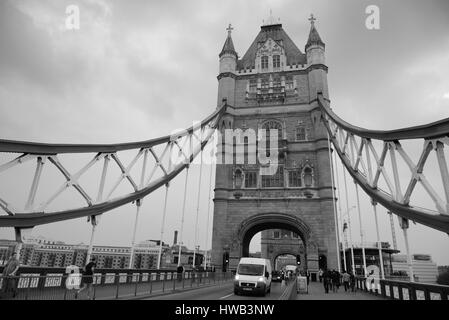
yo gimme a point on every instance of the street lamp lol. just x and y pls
(350, 237)
(194, 255)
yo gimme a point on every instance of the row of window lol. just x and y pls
(281, 234)
(296, 178)
(276, 62)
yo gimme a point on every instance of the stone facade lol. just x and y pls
(274, 85)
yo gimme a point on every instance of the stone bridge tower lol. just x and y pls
(273, 87)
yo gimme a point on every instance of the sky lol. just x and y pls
(139, 69)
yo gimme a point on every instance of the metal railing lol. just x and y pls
(404, 290)
(104, 286)
(289, 292)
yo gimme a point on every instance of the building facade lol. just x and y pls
(371, 257)
(41, 252)
(424, 269)
(272, 90)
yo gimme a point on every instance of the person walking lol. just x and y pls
(9, 286)
(308, 276)
(336, 280)
(320, 274)
(333, 284)
(352, 281)
(346, 278)
(88, 279)
(326, 277)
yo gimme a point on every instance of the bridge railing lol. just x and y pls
(110, 285)
(405, 290)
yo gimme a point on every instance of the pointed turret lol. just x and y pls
(228, 46)
(315, 46)
(315, 51)
(226, 78)
(314, 37)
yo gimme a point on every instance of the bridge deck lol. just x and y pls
(316, 292)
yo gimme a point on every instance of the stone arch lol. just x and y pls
(294, 253)
(263, 221)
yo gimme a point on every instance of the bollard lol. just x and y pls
(174, 283)
(118, 285)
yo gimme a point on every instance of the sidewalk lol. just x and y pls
(316, 292)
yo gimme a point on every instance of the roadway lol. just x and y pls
(223, 291)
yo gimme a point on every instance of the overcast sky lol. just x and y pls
(139, 69)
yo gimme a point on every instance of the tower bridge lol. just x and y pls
(281, 90)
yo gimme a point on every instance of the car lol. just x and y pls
(276, 276)
(253, 275)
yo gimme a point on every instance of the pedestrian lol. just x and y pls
(336, 280)
(88, 279)
(320, 274)
(352, 281)
(326, 277)
(308, 276)
(9, 286)
(346, 279)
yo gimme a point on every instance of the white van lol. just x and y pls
(253, 275)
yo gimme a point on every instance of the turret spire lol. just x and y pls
(314, 37)
(228, 46)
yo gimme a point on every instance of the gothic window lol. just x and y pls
(264, 62)
(276, 61)
(308, 180)
(272, 125)
(294, 179)
(275, 180)
(276, 234)
(252, 86)
(300, 133)
(251, 179)
(269, 127)
(295, 235)
(245, 149)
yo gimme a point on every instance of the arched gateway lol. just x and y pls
(273, 87)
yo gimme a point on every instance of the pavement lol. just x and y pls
(316, 292)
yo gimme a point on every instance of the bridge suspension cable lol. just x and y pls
(335, 164)
(208, 213)
(362, 238)
(351, 244)
(32, 213)
(334, 205)
(350, 141)
(198, 209)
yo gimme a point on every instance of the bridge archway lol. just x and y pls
(291, 254)
(265, 221)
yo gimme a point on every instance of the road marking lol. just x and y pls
(226, 296)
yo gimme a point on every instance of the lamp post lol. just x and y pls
(350, 238)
